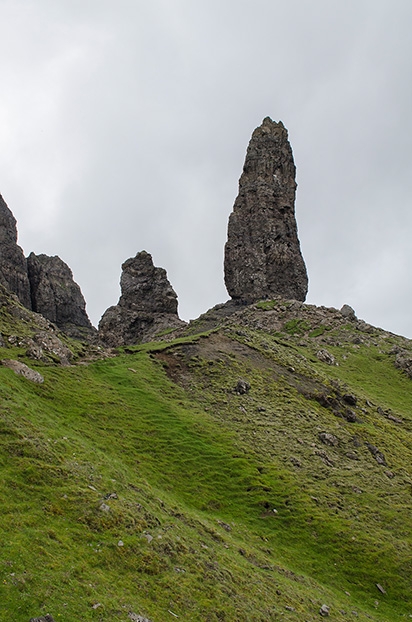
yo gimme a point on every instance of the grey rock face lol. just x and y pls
(55, 294)
(147, 305)
(13, 267)
(262, 253)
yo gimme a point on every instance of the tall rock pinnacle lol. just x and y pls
(262, 253)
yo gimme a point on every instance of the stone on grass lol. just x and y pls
(326, 357)
(23, 370)
(328, 439)
(324, 611)
(242, 387)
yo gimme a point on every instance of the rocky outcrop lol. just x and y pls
(147, 305)
(262, 253)
(56, 296)
(13, 266)
(41, 283)
(39, 338)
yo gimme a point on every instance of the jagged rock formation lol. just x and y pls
(56, 296)
(41, 283)
(147, 305)
(13, 266)
(262, 253)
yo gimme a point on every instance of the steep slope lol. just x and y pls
(227, 475)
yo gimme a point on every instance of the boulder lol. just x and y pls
(21, 369)
(13, 265)
(147, 305)
(262, 253)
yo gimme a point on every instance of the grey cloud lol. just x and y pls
(125, 128)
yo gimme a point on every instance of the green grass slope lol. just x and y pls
(147, 484)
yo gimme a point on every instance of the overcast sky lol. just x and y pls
(124, 126)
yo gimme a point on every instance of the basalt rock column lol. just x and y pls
(147, 305)
(262, 253)
(13, 265)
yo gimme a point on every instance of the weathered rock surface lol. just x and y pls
(13, 266)
(262, 254)
(56, 296)
(22, 328)
(147, 305)
(21, 369)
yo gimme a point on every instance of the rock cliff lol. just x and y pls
(41, 283)
(13, 265)
(147, 305)
(262, 253)
(56, 296)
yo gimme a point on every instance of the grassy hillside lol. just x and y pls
(152, 483)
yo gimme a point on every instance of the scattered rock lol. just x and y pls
(380, 588)
(23, 370)
(46, 618)
(403, 361)
(350, 399)
(103, 507)
(324, 611)
(326, 357)
(242, 387)
(45, 345)
(110, 495)
(262, 253)
(148, 537)
(328, 439)
(348, 312)
(350, 416)
(135, 618)
(378, 455)
(324, 457)
(224, 525)
(147, 305)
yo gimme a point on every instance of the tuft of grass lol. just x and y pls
(296, 326)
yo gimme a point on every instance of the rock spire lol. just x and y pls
(147, 305)
(262, 253)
